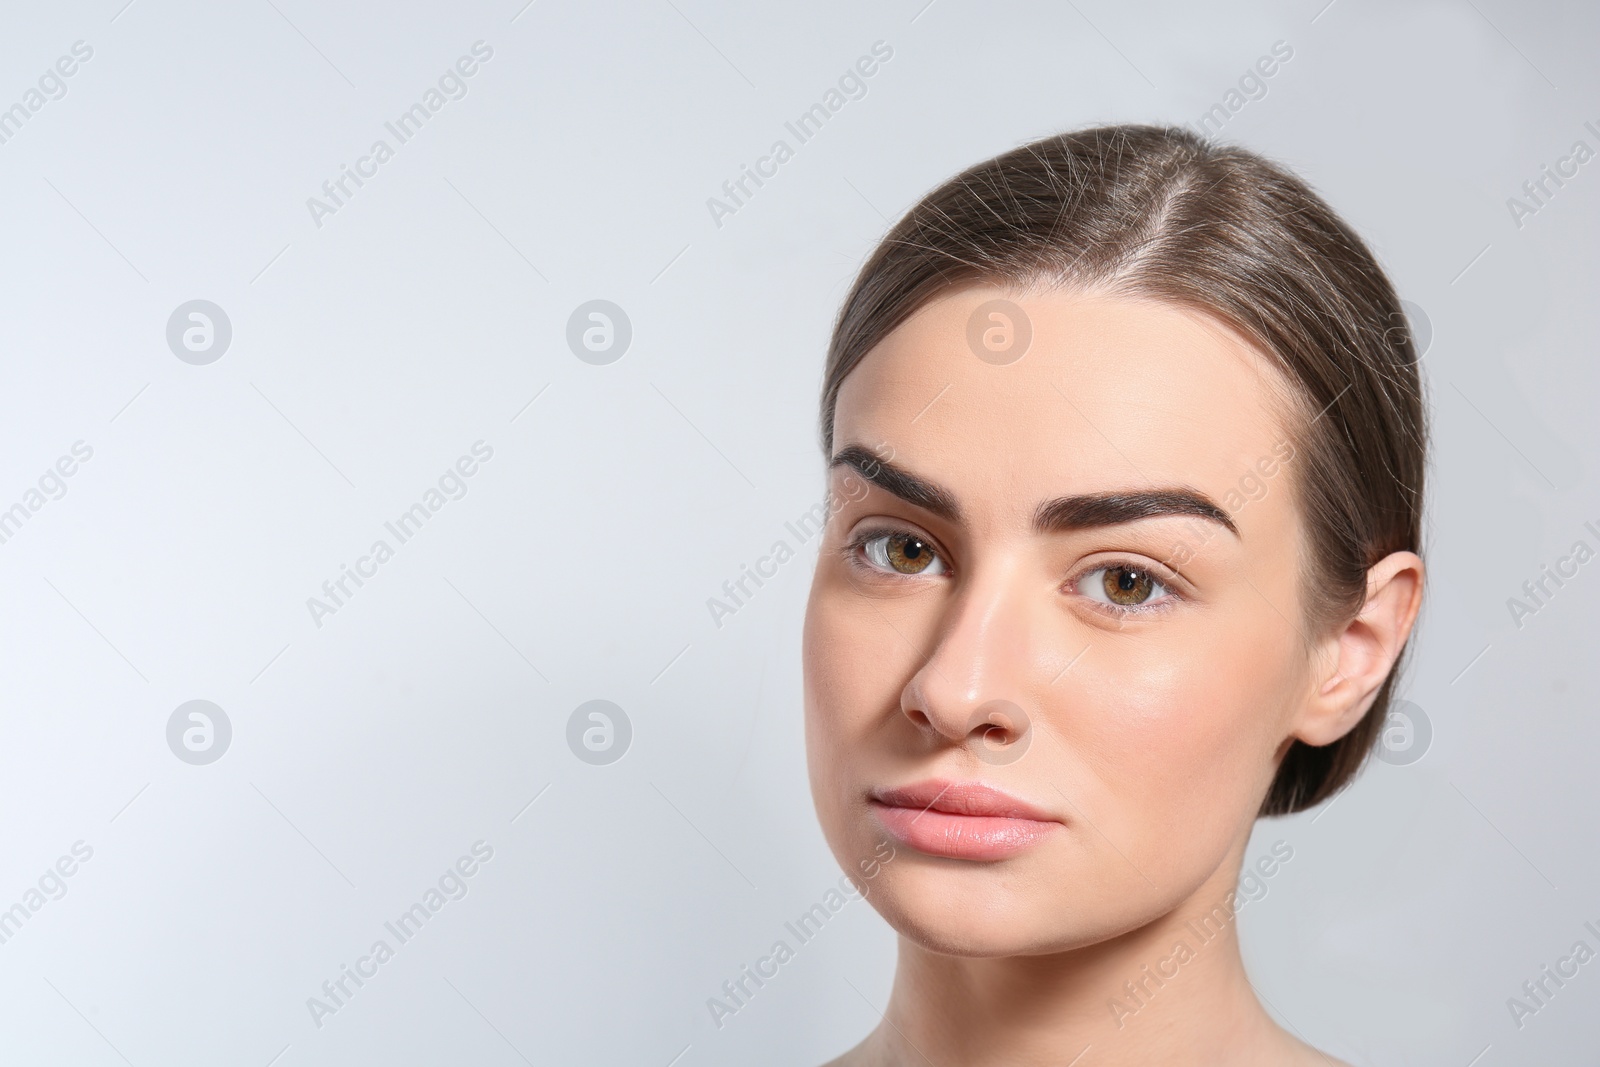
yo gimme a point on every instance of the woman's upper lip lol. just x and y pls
(960, 798)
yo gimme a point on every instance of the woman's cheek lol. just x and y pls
(838, 677)
(1169, 735)
(859, 652)
(834, 664)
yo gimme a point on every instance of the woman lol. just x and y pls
(1142, 434)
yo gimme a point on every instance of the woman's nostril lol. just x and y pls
(999, 731)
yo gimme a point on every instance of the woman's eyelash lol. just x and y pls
(901, 543)
(1122, 579)
(1126, 578)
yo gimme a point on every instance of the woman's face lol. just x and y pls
(1031, 585)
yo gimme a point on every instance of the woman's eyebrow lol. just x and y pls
(1128, 505)
(1063, 514)
(909, 487)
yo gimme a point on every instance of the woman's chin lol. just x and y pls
(981, 926)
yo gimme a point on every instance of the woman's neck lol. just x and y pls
(1171, 992)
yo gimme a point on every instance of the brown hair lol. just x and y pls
(1160, 213)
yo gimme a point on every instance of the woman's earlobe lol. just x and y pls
(1367, 649)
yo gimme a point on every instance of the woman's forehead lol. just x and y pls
(1110, 392)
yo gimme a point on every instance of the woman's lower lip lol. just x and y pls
(967, 837)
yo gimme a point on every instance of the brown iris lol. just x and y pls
(1127, 586)
(908, 553)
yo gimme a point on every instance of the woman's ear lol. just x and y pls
(1356, 658)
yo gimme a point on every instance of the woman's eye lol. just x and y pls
(1121, 586)
(904, 553)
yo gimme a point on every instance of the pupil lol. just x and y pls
(1127, 586)
(912, 549)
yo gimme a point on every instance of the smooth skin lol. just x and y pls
(1151, 730)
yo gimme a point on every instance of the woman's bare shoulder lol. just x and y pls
(1309, 1056)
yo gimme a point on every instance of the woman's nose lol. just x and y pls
(974, 685)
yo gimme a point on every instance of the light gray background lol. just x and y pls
(369, 753)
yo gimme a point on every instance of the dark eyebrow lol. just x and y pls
(902, 483)
(1061, 515)
(1109, 509)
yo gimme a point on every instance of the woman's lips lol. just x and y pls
(961, 820)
